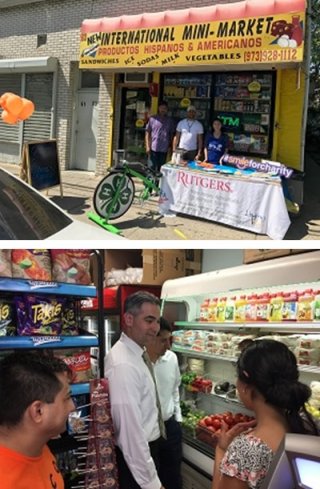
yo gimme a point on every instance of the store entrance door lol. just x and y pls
(86, 130)
(135, 110)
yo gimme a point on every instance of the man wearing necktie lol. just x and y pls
(168, 379)
(134, 406)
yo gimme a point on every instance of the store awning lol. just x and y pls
(28, 65)
(251, 31)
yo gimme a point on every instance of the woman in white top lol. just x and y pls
(189, 136)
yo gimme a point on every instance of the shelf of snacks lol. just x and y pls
(280, 327)
(80, 389)
(203, 355)
(83, 340)
(46, 287)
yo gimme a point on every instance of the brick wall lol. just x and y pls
(61, 21)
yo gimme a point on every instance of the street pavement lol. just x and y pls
(143, 222)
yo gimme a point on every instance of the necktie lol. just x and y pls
(162, 427)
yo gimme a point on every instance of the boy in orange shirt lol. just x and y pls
(35, 404)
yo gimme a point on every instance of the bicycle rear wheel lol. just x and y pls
(114, 195)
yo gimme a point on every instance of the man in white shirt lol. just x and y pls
(133, 395)
(168, 379)
(189, 136)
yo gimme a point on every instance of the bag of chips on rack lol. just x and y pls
(79, 361)
(71, 266)
(7, 325)
(70, 315)
(5, 263)
(39, 314)
(31, 264)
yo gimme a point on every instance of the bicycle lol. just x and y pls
(114, 194)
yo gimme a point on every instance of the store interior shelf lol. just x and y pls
(210, 356)
(281, 327)
(313, 369)
(79, 389)
(225, 397)
(199, 445)
(245, 99)
(187, 96)
(22, 342)
(243, 85)
(197, 354)
(39, 287)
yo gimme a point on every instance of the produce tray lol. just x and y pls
(206, 436)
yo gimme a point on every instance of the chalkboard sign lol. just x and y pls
(40, 160)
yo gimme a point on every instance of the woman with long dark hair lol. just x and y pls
(268, 384)
(216, 143)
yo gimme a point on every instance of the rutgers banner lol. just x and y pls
(258, 206)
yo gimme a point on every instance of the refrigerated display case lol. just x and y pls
(244, 102)
(185, 301)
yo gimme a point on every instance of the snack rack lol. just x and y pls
(67, 447)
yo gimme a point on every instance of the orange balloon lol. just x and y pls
(3, 98)
(8, 117)
(27, 109)
(13, 104)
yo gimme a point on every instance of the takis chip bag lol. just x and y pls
(39, 315)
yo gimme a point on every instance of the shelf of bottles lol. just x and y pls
(244, 101)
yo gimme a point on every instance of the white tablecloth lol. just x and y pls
(243, 202)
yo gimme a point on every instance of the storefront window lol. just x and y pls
(183, 90)
(135, 113)
(244, 103)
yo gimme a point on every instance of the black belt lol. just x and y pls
(153, 443)
(170, 419)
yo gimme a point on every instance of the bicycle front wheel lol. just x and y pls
(114, 195)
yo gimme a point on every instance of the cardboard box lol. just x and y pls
(157, 265)
(161, 265)
(251, 256)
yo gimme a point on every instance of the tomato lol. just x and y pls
(238, 418)
(217, 416)
(216, 423)
(211, 428)
(207, 420)
(229, 420)
(226, 415)
(202, 422)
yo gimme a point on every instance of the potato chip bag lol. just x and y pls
(71, 266)
(7, 326)
(39, 314)
(5, 263)
(31, 264)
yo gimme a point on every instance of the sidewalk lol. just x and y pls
(145, 223)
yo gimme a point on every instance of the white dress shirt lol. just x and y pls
(189, 129)
(168, 379)
(133, 409)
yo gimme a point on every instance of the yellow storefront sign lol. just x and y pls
(268, 39)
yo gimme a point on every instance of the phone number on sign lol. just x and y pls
(276, 55)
